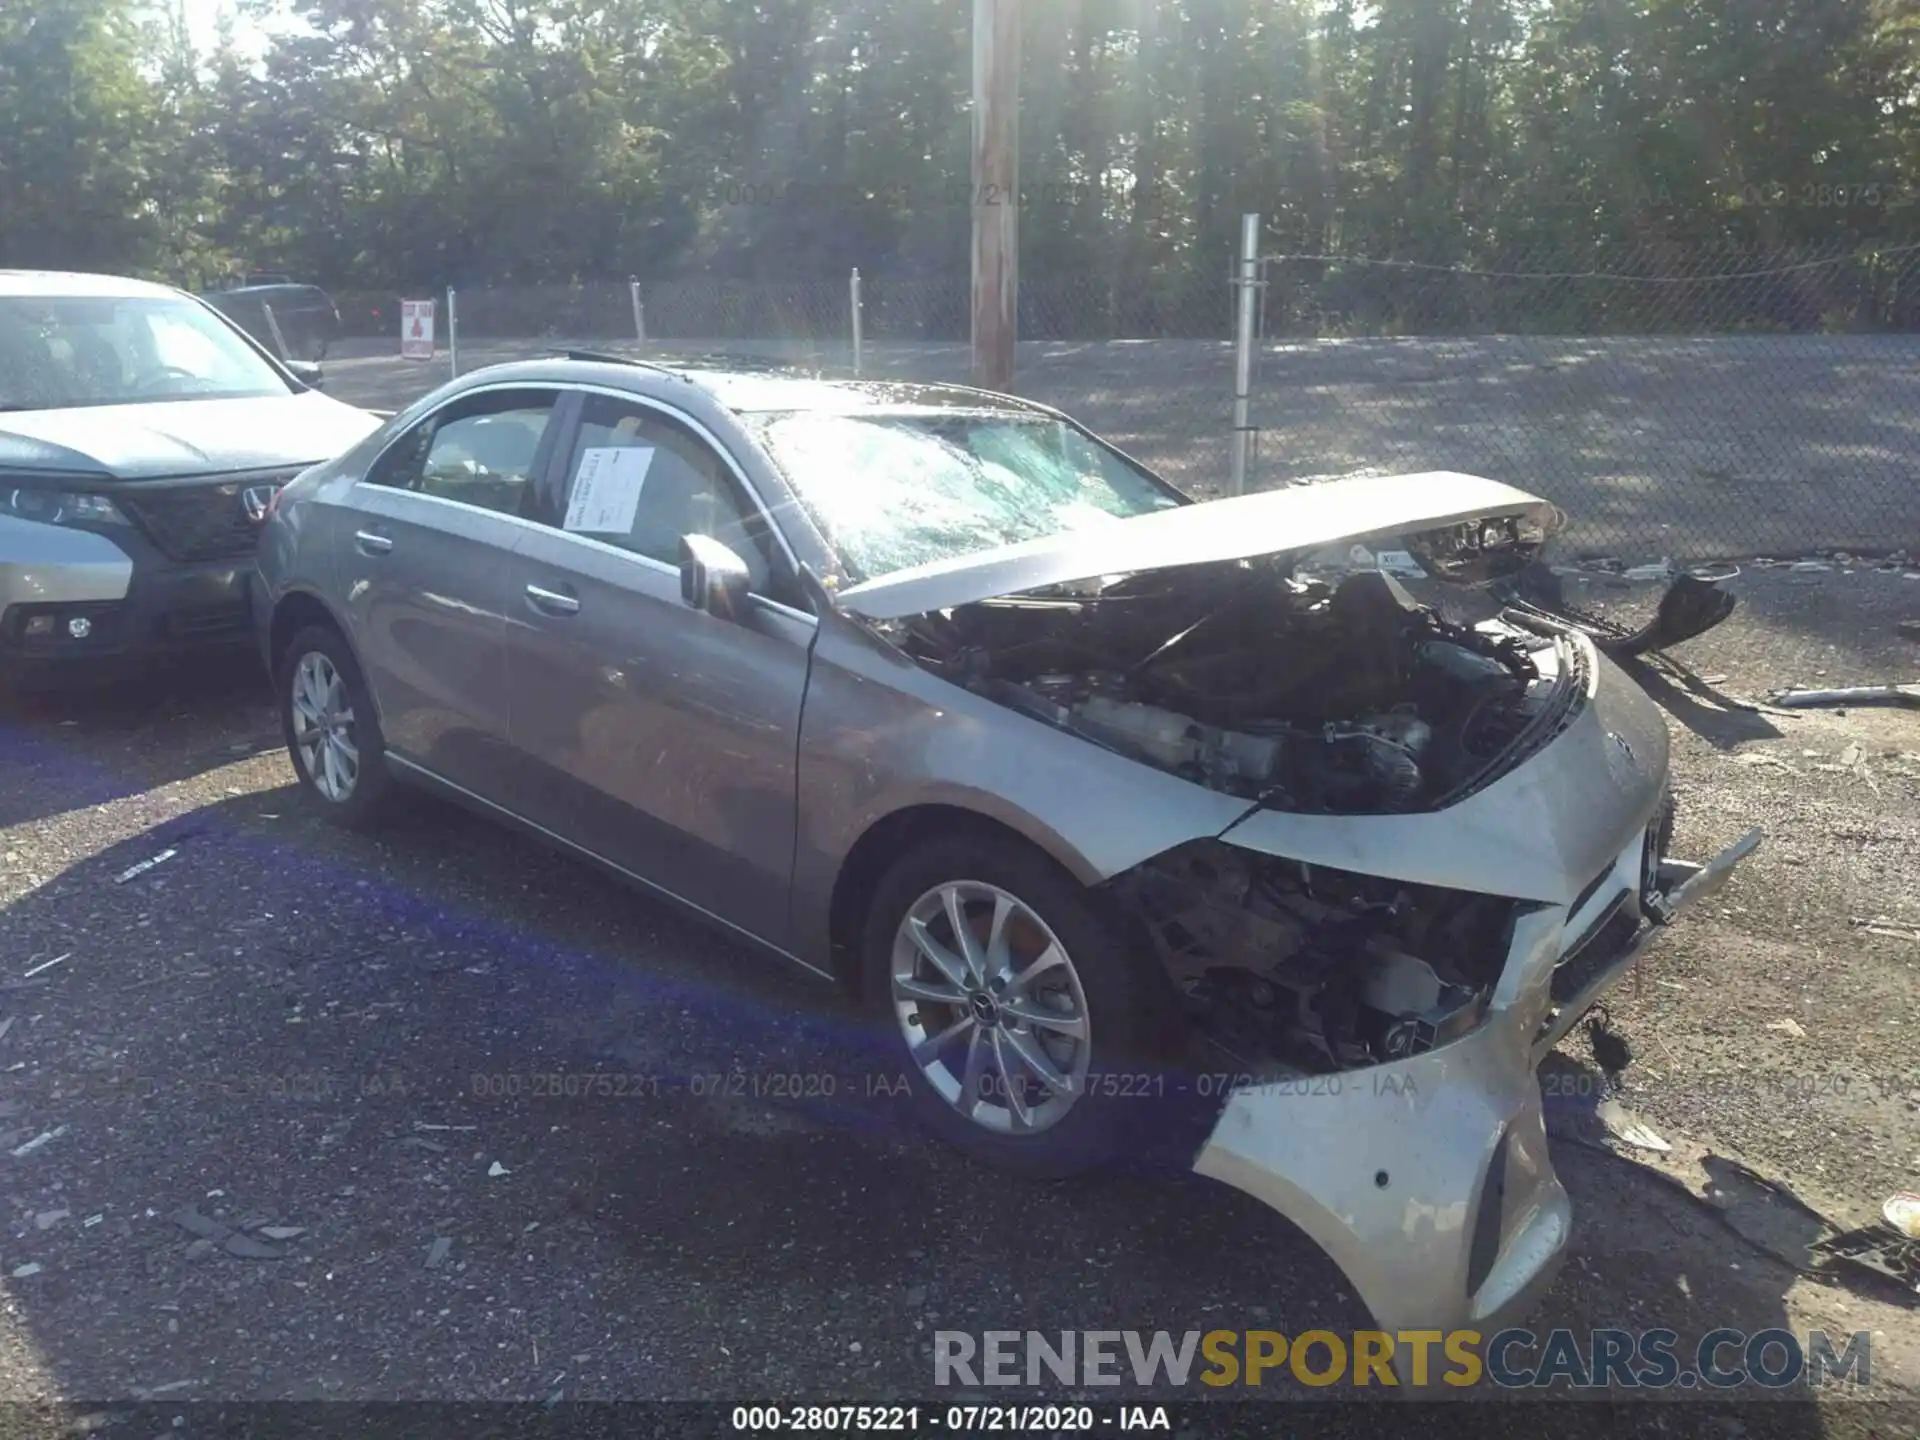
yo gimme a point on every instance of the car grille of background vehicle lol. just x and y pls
(199, 522)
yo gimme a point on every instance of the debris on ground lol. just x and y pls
(437, 1251)
(218, 1234)
(45, 1137)
(496, 1170)
(1878, 1250)
(424, 1125)
(1630, 1129)
(1879, 925)
(283, 1232)
(45, 965)
(1788, 1026)
(1902, 1212)
(136, 871)
(5, 1026)
(1849, 695)
(47, 1219)
(26, 1271)
(420, 1142)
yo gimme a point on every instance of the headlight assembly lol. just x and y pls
(57, 507)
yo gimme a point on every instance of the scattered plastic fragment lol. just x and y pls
(47, 1219)
(1629, 1129)
(1908, 695)
(283, 1232)
(144, 866)
(437, 1251)
(1788, 1026)
(44, 1137)
(1902, 1212)
(24, 1271)
(496, 1170)
(45, 965)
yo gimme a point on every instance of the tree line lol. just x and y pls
(419, 143)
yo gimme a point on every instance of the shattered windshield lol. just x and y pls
(58, 352)
(891, 491)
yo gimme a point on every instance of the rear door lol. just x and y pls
(424, 552)
(656, 736)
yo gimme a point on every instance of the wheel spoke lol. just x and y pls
(1017, 1106)
(998, 961)
(1050, 958)
(349, 751)
(963, 937)
(304, 708)
(1034, 1013)
(979, 1057)
(1038, 1061)
(941, 958)
(928, 1050)
(912, 988)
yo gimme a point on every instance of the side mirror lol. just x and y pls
(713, 578)
(308, 373)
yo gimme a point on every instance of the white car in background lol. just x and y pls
(143, 437)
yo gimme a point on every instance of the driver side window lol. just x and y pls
(483, 451)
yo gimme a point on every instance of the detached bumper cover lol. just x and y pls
(1428, 1180)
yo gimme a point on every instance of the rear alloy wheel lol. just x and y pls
(331, 731)
(1022, 1007)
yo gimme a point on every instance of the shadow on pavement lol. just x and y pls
(500, 1122)
(73, 748)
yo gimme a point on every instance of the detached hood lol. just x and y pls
(1308, 517)
(181, 437)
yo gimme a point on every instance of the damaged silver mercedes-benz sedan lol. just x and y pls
(1122, 820)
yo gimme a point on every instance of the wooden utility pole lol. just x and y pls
(996, 189)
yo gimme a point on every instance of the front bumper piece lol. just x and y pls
(1428, 1181)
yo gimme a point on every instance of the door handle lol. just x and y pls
(368, 543)
(552, 601)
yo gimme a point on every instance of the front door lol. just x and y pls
(658, 737)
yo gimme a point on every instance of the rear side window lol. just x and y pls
(481, 450)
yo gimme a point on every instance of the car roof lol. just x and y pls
(70, 283)
(745, 390)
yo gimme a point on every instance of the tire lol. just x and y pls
(362, 802)
(1117, 989)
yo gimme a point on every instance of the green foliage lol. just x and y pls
(410, 143)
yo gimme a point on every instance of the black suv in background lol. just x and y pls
(305, 315)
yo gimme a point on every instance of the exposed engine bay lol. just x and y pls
(1321, 970)
(1314, 697)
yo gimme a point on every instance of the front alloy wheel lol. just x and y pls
(991, 1007)
(323, 727)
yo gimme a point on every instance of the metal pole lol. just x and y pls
(853, 290)
(1244, 313)
(453, 338)
(273, 329)
(996, 190)
(639, 312)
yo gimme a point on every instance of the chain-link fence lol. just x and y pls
(1705, 407)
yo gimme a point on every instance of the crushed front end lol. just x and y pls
(1377, 1022)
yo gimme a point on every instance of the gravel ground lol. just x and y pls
(287, 1026)
(1691, 447)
